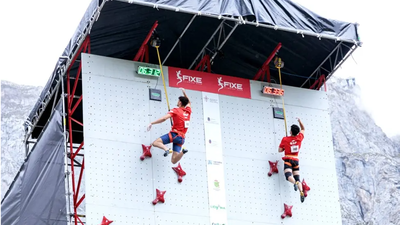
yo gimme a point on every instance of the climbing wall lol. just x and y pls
(120, 186)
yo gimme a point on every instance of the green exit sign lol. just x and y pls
(147, 71)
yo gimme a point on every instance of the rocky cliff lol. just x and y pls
(367, 161)
(16, 103)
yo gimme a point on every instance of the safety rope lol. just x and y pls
(279, 64)
(162, 75)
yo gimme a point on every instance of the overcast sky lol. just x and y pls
(35, 33)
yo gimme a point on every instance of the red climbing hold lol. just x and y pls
(146, 152)
(287, 212)
(273, 167)
(160, 197)
(179, 171)
(106, 221)
(306, 188)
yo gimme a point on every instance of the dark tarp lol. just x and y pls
(37, 194)
(281, 13)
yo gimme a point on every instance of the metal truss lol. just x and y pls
(331, 63)
(214, 45)
(179, 39)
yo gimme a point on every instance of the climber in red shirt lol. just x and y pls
(291, 145)
(180, 120)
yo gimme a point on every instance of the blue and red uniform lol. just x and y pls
(181, 120)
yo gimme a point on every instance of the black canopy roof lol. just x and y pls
(248, 29)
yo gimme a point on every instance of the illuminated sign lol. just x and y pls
(147, 71)
(273, 91)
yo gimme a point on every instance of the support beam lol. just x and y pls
(320, 81)
(142, 50)
(342, 61)
(265, 67)
(208, 42)
(69, 109)
(223, 42)
(204, 63)
(335, 50)
(213, 50)
(179, 39)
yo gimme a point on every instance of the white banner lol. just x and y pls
(214, 156)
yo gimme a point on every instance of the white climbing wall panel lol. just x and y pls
(117, 109)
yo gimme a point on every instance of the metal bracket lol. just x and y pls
(265, 68)
(214, 48)
(143, 50)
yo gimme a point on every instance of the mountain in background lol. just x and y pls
(17, 102)
(367, 161)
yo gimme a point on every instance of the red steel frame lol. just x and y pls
(205, 61)
(144, 48)
(320, 81)
(265, 68)
(85, 47)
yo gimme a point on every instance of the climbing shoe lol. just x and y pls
(296, 185)
(184, 150)
(301, 196)
(167, 152)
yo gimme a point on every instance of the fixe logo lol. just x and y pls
(217, 207)
(229, 85)
(187, 79)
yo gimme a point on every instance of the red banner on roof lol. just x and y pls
(209, 82)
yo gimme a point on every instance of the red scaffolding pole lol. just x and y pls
(85, 47)
(265, 68)
(205, 61)
(319, 82)
(144, 48)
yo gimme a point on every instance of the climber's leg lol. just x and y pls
(162, 141)
(177, 149)
(296, 173)
(288, 172)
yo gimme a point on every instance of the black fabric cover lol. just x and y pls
(37, 194)
(282, 13)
